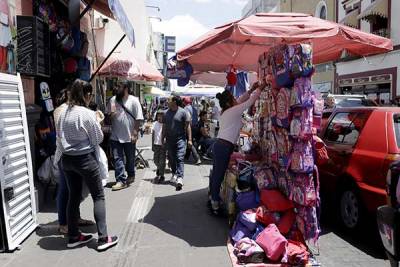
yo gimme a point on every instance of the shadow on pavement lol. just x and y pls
(185, 215)
(366, 238)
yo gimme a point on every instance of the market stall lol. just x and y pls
(271, 188)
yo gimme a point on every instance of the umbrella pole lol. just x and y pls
(107, 57)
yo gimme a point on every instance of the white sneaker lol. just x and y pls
(179, 184)
(173, 179)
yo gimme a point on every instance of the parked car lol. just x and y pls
(346, 101)
(361, 143)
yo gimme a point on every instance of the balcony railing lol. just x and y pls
(382, 32)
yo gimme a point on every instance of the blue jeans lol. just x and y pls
(176, 156)
(62, 196)
(122, 151)
(222, 153)
(207, 145)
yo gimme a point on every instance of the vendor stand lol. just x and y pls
(271, 191)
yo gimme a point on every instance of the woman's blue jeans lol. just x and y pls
(222, 153)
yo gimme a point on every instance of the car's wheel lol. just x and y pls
(350, 208)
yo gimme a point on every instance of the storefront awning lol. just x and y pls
(377, 8)
(351, 19)
(115, 10)
(101, 6)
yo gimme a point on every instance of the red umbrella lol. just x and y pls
(131, 69)
(241, 42)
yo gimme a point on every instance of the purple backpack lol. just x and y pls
(301, 94)
(307, 223)
(246, 200)
(301, 123)
(283, 146)
(281, 67)
(295, 64)
(240, 231)
(302, 157)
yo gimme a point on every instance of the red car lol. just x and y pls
(361, 143)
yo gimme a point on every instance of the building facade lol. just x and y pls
(375, 76)
(323, 80)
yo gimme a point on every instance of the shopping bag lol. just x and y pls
(103, 165)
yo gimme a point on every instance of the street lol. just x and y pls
(159, 226)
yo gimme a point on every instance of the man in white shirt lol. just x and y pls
(126, 116)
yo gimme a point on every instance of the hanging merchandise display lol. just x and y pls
(281, 189)
(46, 97)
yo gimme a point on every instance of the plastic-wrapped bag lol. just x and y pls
(49, 172)
(103, 164)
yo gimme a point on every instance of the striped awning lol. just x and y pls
(376, 8)
(351, 19)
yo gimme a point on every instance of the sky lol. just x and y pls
(189, 19)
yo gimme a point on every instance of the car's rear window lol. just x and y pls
(396, 124)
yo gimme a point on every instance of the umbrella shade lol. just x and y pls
(154, 91)
(241, 42)
(199, 90)
(217, 78)
(133, 69)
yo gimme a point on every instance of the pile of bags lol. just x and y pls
(276, 199)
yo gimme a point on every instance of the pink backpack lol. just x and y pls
(301, 123)
(303, 190)
(272, 242)
(302, 157)
(301, 94)
(282, 105)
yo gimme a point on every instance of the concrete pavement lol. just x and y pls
(159, 226)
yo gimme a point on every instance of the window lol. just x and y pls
(321, 10)
(396, 124)
(345, 128)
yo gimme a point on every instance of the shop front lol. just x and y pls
(380, 85)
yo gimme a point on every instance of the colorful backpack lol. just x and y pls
(303, 190)
(306, 54)
(296, 64)
(307, 223)
(283, 146)
(282, 104)
(301, 94)
(318, 104)
(281, 68)
(302, 157)
(265, 178)
(301, 123)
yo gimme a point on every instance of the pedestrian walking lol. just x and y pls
(228, 135)
(126, 116)
(193, 114)
(62, 189)
(176, 132)
(79, 135)
(158, 147)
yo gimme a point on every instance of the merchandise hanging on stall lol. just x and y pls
(271, 190)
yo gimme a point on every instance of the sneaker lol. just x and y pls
(119, 186)
(173, 179)
(105, 243)
(130, 180)
(82, 239)
(198, 162)
(179, 184)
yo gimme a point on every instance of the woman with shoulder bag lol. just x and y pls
(79, 135)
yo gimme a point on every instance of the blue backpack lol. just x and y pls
(281, 67)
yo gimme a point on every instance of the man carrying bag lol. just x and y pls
(126, 115)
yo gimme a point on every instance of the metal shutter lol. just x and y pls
(16, 176)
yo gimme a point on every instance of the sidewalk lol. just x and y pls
(159, 226)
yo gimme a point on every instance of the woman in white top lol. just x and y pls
(230, 124)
